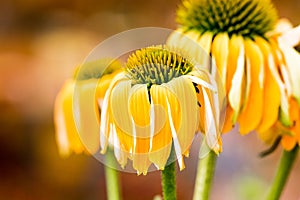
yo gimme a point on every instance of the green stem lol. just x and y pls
(204, 177)
(169, 181)
(112, 177)
(282, 174)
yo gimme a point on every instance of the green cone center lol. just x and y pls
(156, 65)
(243, 17)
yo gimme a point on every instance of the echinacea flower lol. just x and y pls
(283, 39)
(154, 104)
(90, 82)
(234, 34)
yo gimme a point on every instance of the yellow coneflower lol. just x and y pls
(283, 39)
(154, 105)
(77, 126)
(234, 34)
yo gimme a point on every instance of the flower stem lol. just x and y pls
(168, 177)
(112, 177)
(282, 174)
(204, 178)
(169, 182)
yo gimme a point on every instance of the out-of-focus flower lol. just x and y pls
(234, 34)
(90, 82)
(154, 105)
(283, 39)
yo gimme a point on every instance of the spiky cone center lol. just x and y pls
(156, 65)
(242, 17)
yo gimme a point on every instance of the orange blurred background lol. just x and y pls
(40, 44)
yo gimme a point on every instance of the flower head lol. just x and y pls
(158, 101)
(283, 40)
(77, 123)
(234, 34)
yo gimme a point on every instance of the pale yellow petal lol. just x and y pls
(228, 124)
(105, 120)
(235, 74)
(251, 114)
(205, 42)
(120, 114)
(162, 141)
(139, 110)
(63, 118)
(285, 88)
(271, 98)
(87, 113)
(186, 95)
(292, 59)
(220, 53)
(119, 153)
(211, 128)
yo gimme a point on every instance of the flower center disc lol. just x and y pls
(243, 17)
(156, 65)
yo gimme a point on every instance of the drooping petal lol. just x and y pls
(205, 42)
(66, 132)
(105, 120)
(284, 85)
(292, 59)
(119, 153)
(229, 123)
(162, 140)
(186, 95)
(103, 86)
(211, 128)
(251, 114)
(220, 54)
(120, 115)
(189, 43)
(288, 142)
(177, 147)
(235, 74)
(86, 113)
(139, 110)
(271, 89)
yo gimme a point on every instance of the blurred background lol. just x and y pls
(40, 43)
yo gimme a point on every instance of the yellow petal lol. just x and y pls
(211, 128)
(186, 95)
(235, 74)
(251, 115)
(139, 110)
(271, 89)
(285, 88)
(103, 86)
(188, 42)
(205, 42)
(162, 141)
(66, 133)
(288, 142)
(120, 115)
(220, 54)
(106, 118)
(119, 153)
(292, 59)
(228, 124)
(86, 113)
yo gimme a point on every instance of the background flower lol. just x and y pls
(90, 83)
(234, 33)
